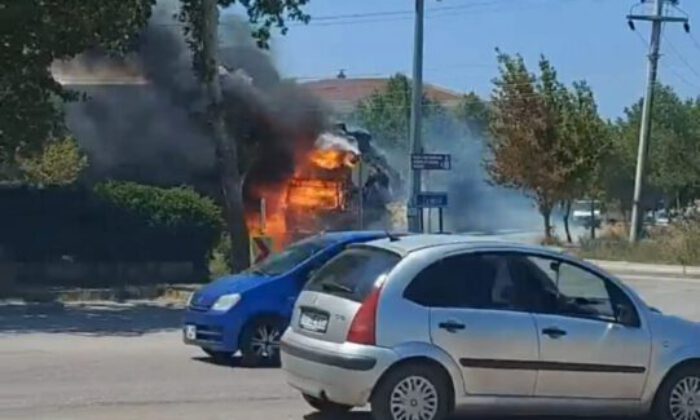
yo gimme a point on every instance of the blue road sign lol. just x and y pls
(431, 162)
(431, 200)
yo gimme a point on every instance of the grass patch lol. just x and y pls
(677, 244)
(646, 251)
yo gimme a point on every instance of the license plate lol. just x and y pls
(190, 332)
(314, 322)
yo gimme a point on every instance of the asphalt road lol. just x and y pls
(127, 362)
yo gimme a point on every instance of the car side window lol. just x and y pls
(570, 290)
(479, 281)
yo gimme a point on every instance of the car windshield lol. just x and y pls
(292, 256)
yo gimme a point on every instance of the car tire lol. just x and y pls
(419, 387)
(260, 342)
(325, 406)
(679, 392)
(218, 356)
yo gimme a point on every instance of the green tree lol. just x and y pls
(474, 112)
(527, 139)
(59, 163)
(586, 144)
(673, 165)
(387, 113)
(34, 34)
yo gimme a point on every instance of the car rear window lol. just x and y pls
(353, 273)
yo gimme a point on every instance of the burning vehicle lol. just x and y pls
(342, 183)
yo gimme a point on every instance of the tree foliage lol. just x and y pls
(387, 113)
(264, 15)
(59, 163)
(547, 140)
(673, 164)
(525, 133)
(34, 34)
(474, 112)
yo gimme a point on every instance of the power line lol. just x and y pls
(672, 69)
(408, 13)
(680, 56)
(695, 40)
(381, 17)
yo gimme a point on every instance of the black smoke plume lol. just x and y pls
(155, 130)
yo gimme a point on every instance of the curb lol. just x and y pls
(641, 269)
(172, 293)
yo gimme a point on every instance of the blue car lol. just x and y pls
(250, 311)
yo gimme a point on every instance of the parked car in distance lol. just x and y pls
(249, 311)
(585, 212)
(419, 325)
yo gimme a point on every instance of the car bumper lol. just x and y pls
(344, 373)
(213, 331)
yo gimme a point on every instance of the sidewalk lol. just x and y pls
(630, 268)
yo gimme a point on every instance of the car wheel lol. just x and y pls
(679, 395)
(415, 391)
(218, 356)
(325, 406)
(260, 342)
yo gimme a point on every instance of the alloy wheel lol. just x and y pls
(684, 402)
(265, 342)
(414, 398)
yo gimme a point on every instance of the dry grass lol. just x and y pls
(676, 244)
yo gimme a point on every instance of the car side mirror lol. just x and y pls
(626, 316)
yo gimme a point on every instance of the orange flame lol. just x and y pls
(305, 194)
(314, 194)
(333, 159)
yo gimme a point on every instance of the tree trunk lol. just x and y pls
(567, 213)
(226, 149)
(593, 219)
(547, 217)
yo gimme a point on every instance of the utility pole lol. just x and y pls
(657, 20)
(415, 215)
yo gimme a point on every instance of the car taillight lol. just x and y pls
(364, 326)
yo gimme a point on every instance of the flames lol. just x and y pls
(333, 159)
(314, 194)
(319, 186)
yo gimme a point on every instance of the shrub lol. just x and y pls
(173, 208)
(59, 163)
(113, 222)
(682, 242)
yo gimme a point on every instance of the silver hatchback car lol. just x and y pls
(419, 325)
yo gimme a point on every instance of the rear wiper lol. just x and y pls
(336, 287)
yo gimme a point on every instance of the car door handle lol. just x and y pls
(451, 326)
(553, 332)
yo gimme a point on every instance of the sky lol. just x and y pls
(584, 39)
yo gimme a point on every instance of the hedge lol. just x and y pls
(112, 222)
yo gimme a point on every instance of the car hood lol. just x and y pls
(239, 283)
(673, 327)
